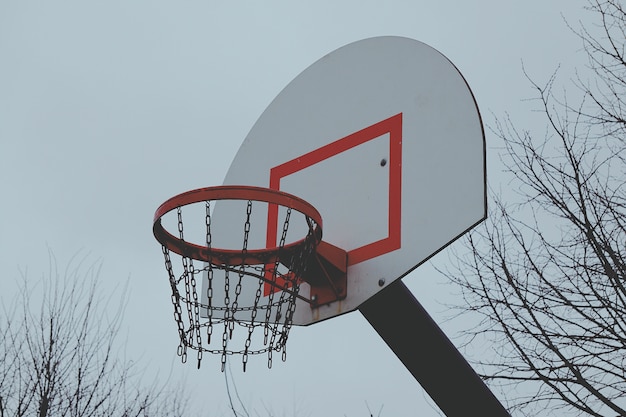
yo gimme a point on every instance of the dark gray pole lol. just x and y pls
(429, 355)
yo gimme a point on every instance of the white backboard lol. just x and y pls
(382, 136)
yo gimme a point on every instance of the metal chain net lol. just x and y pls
(264, 326)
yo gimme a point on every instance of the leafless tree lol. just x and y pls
(547, 272)
(59, 354)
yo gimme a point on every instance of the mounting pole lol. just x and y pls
(428, 354)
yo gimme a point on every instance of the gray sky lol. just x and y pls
(109, 108)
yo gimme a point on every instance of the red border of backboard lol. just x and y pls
(393, 126)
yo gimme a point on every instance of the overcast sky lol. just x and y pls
(109, 108)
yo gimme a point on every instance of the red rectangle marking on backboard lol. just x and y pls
(391, 126)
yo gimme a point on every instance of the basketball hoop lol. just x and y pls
(278, 269)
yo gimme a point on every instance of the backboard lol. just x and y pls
(384, 138)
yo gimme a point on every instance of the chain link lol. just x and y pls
(182, 348)
(279, 306)
(244, 251)
(179, 212)
(196, 311)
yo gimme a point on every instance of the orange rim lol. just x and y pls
(231, 256)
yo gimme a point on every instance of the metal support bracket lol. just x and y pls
(327, 275)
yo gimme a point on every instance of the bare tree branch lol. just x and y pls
(59, 356)
(547, 273)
